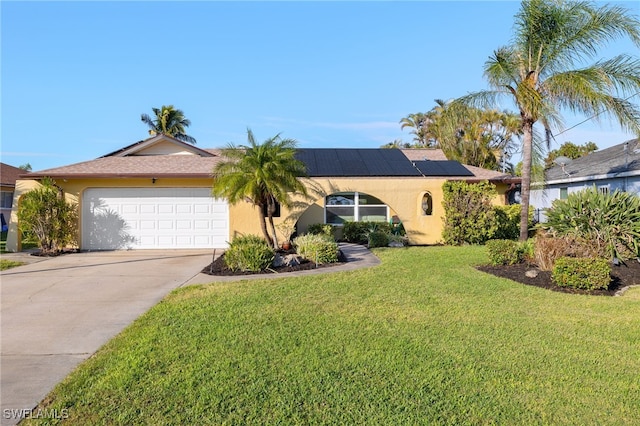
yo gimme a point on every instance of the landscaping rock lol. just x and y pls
(288, 260)
(531, 273)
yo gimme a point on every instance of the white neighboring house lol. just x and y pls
(610, 169)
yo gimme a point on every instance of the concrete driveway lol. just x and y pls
(57, 312)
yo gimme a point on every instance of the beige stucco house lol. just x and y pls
(8, 177)
(156, 194)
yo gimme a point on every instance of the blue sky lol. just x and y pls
(77, 75)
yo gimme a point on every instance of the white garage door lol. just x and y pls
(153, 218)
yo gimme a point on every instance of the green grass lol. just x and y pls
(423, 338)
(8, 264)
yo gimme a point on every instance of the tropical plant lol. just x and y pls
(248, 253)
(168, 121)
(610, 222)
(262, 174)
(544, 71)
(418, 123)
(45, 215)
(318, 248)
(478, 137)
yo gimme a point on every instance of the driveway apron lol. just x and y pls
(56, 313)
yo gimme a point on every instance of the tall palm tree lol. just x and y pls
(262, 174)
(545, 70)
(169, 121)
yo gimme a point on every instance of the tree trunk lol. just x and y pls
(527, 148)
(263, 225)
(273, 230)
(271, 209)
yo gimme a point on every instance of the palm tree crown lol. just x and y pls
(262, 174)
(169, 121)
(546, 70)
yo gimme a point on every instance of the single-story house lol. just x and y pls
(156, 193)
(8, 177)
(609, 169)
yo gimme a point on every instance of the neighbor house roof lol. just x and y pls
(162, 156)
(9, 174)
(616, 161)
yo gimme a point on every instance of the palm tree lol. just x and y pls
(262, 174)
(169, 121)
(539, 71)
(417, 122)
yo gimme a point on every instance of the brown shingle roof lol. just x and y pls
(143, 166)
(9, 174)
(419, 154)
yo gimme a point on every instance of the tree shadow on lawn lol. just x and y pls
(621, 277)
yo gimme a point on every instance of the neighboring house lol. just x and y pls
(156, 193)
(8, 177)
(610, 169)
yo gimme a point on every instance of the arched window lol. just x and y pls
(427, 204)
(343, 207)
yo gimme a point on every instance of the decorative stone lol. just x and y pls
(531, 273)
(292, 260)
(278, 261)
(395, 244)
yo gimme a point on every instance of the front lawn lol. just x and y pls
(8, 264)
(424, 338)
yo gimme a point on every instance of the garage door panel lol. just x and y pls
(117, 218)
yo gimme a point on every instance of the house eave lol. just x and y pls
(578, 179)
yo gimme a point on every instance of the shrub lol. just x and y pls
(507, 218)
(504, 252)
(548, 248)
(611, 222)
(357, 232)
(469, 214)
(582, 272)
(47, 218)
(320, 229)
(378, 239)
(317, 248)
(249, 253)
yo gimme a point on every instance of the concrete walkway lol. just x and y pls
(56, 312)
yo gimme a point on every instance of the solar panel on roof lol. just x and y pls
(323, 162)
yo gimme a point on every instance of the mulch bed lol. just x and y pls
(621, 276)
(219, 267)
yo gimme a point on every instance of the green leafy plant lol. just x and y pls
(504, 252)
(317, 248)
(46, 217)
(582, 272)
(610, 222)
(469, 214)
(377, 239)
(321, 229)
(357, 232)
(249, 253)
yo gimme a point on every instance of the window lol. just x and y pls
(427, 204)
(354, 207)
(7, 199)
(564, 193)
